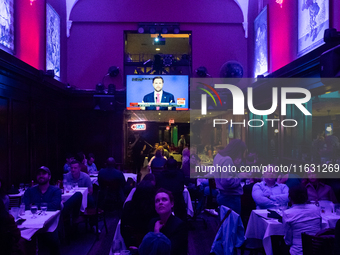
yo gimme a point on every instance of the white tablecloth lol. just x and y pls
(118, 241)
(187, 200)
(94, 178)
(261, 228)
(83, 191)
(48, 222)
(17, 195)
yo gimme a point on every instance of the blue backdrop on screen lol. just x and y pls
(137, 86)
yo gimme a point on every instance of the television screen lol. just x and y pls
(157, 92)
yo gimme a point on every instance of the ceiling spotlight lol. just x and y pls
(141, 30)
(164, 30)
(152, 30)
(176, 30)
(158, 49)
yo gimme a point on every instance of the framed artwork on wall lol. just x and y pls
(52, 40)
(261, 43)
(7, 25)
(313, 19)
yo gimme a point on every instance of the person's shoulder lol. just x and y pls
(175, 221)
(167, 93)
(54, 188)
(149, 95)
(84, 175)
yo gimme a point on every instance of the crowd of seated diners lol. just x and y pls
(154, 218)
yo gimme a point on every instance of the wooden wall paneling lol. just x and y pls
(19, 148)
(4, 128)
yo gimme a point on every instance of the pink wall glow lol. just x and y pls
(217, 35)
(30, 32)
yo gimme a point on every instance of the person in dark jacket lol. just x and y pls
(137, 214)
(168, 224)
(172, 179)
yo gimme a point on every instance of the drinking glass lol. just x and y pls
(76, 186)
(68, 187)
(34, 210)
(43, 208)
(14, 211)
(21, 187)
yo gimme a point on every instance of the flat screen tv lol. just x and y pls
(157, 92)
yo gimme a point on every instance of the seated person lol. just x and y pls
(155, 244)
(158, 161)
(317, 190)
(108, 178)
(76, 176)
(9, 232)
(172, 179)
(269, 193)
(137, 214)
(91, 166)
(80, 157)
(67, 166)
(168, 224)
(301, 217)
(45, 193)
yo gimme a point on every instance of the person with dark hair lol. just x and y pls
(91, 166)
(9, 232)
(3, 196)
(67, 166)
(77, 176)
(269, 193)
(158, 96)
(80, 157)
(137, 214)
(158, 161)
(111, 176)
(155, 244)
(172, 179)
(138, 147)
(168, 224)
(301, 217)
(45, 193)
(317, 190)
(227, 182)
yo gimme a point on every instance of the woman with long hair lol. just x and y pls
(137, 214)
(226, 162)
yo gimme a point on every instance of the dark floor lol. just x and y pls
(84, 243)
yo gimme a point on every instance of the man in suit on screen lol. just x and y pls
(158, 96)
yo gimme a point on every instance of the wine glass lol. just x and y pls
(34, 210)
(43, 207)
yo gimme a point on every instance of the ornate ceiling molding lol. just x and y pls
(243, 4)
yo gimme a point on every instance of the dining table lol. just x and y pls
(261, 227)
(47, 222)
(94, 177)
(82, 190)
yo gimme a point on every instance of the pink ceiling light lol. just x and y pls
(279, 2)
(31, 2)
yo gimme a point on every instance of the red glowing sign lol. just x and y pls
(138, 127)
(171, 121)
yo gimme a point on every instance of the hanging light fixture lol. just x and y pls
(31, 2)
